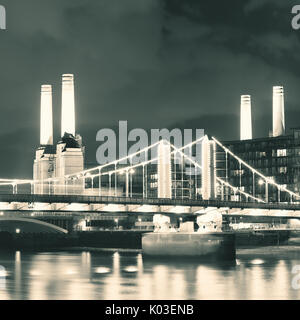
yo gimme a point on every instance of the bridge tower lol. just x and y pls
(164, 175)
(44, 163)
(208, 169)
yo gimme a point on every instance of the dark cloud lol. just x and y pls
(155, 63)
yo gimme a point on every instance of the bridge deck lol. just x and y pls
(38, 198)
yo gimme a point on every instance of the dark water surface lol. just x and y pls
(257, 274)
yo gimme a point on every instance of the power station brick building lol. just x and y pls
(276, 156)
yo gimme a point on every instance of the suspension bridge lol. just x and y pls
(160, 178)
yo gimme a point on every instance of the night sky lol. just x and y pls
(155, 63)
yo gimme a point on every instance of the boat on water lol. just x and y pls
(212, 241)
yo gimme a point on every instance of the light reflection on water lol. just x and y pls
(85, 275)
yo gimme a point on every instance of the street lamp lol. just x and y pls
(261, 182)
(117, 222)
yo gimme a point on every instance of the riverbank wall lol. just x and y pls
(130, 239)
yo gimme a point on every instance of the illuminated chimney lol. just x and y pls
(46, 130)
(278, 111)
(68, 105)
(246, 119)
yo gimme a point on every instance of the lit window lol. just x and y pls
(283, 170)
(281, 153)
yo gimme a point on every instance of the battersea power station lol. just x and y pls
(276, 156)
(67, 156)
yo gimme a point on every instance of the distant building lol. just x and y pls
(278, 158)
(53, 162)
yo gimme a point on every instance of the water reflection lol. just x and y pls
(85, 275)
(18, 276)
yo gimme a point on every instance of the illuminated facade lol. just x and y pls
(43, 169)
(69, 159)
(276, 157)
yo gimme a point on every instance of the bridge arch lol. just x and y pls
(12, 224)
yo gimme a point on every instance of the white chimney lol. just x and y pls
(68, 105)
(278, 111)
(246, 119)
(46, 130)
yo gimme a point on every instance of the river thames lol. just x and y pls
(264, 273)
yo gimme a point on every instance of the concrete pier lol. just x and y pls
(207, 246)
